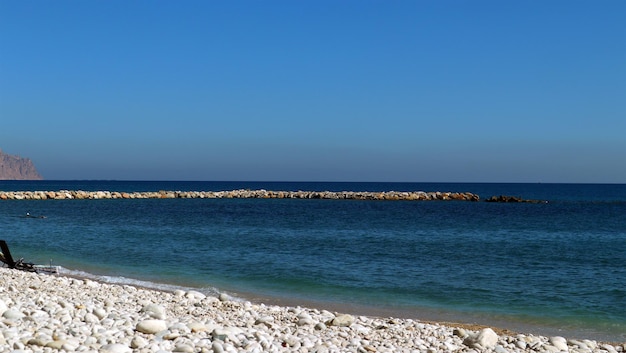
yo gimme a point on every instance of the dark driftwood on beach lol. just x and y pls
(7, 259)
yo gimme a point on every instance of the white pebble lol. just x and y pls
(115, 348)
(151, 326)
(559, 342)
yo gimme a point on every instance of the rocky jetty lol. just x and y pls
(45, 313)
(513, 199)
(236, 194)
(17, 168)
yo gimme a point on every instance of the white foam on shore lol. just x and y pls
(121, 280)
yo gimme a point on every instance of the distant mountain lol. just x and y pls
(17, 168)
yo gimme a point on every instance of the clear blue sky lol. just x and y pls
(441, 91)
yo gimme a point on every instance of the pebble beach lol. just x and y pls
(51, 313)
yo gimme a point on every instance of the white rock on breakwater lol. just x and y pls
(259, 194)
(61, 314)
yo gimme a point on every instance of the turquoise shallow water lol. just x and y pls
(555, 267)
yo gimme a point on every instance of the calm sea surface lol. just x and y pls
(549, 268)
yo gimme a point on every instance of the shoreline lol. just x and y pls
(66, 312)
(474, 321)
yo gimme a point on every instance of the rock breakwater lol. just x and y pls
(235, 194)
(512, 199)
(43, 313)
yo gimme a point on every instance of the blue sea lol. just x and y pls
(555, 268)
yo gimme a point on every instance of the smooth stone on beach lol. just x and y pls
(91, 318)
(577, 344)
(37, 342)
(151, 326)
(485, 339)
(608, 348)
(500, 349)
(225, 297)
(192, 294)
(196, 327)
(226, 333)
(138, 342)
(115, 348)
(183, 348)
(320, 326)
(154, 311)
(217, 347)
(459, 332)
(265, 320)
(12, 314)
(306, 321)
(57, 344)
(559, 342)
(342, 320)
(100, 313)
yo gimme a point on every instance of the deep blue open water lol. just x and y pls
(550, 268)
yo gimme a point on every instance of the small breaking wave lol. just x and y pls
(121, 280)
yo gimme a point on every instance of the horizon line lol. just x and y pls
(310, 181)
